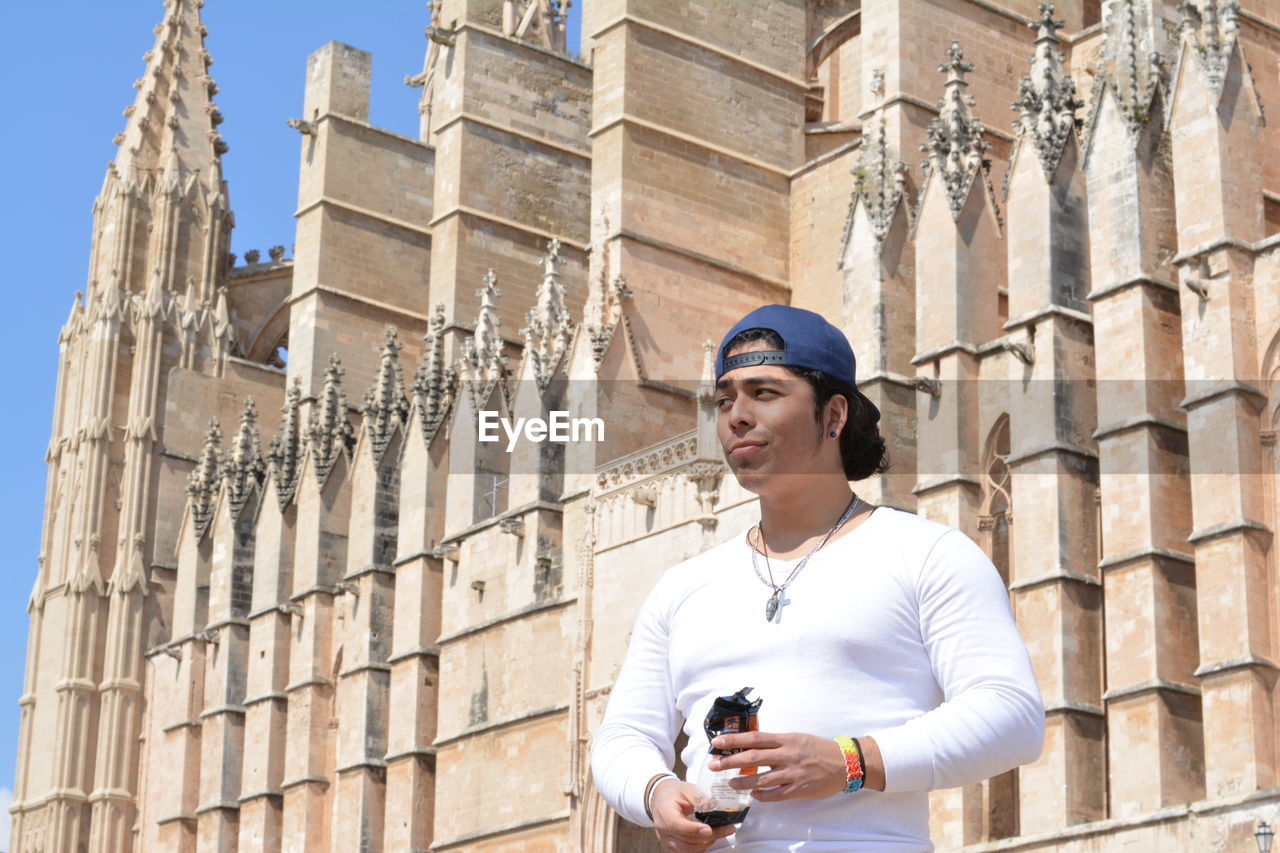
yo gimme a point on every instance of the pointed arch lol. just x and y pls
(991, 806)
(997, 496)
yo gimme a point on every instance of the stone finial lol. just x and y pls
(547, 328)
(385, 405)
(252, 256)
(1047, 100)
(483, 363)
(1213, 30)
(433, 381)
(276, 253)
(955, 145)
(284, 452)
(202, 484)
(879, 181)
(955, 67)
(244, 469)
(1130, 66)
(329, 432)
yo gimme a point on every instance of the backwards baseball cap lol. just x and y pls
(808, 340)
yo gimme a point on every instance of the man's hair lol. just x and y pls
(862, 450)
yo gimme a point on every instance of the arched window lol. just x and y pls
(997, 497)
(993, 810)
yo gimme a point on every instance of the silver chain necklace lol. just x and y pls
(773, 607)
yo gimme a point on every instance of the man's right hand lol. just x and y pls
(672, 806)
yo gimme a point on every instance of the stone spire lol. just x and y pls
(1131, 67)
(329, 432)
(433, 381)
(1047, 100)
(879, 184)
(955, 145)
(244, 469)
(171, 128)
(202, 484)
(284, 452)
(1213, 30)
(547, 328)
(385, 405)
(483, 364)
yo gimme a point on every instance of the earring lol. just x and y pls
(833, 433)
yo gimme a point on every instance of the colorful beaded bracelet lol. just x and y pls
(852, 761)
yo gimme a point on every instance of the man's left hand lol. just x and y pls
(800, 766)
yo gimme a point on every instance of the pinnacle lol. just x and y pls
(202, 484)
(329, 431)
(171, 127)
(244, 468)
(547, 327)
(385, 404)
(955, 145)
(433, 381)
(1131, 67)
(1213, 29)
(284, 449)
(1047, 100)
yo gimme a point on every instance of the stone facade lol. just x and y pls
(375, 631)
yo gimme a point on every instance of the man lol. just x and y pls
(881, 644)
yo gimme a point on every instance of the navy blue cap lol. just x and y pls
(808, 340)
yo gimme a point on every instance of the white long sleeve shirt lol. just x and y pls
(900, 629)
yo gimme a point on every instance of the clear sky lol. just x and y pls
(67, 70)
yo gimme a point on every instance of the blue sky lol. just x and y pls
(67, 76)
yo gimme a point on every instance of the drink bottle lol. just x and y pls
(718, 803)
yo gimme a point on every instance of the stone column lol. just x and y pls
(414, 658)
(879, 294)
(1218, 155)
(270, 615)
(1054, 580)
(960, 268)
(1152, 701)
(365, 610)
(320, 556)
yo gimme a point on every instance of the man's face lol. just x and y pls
(765, 423)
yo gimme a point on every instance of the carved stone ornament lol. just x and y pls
(483, 364)
(433, 381)
(385, 406)
(955, 145)
(879, 185)
(547, 330)
(1047, 100)
(202, 483)
(284, 450)
(1131, 69)
(329, 433)
(1213, 29)
(244, 469)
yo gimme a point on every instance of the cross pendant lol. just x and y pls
(773, 607)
